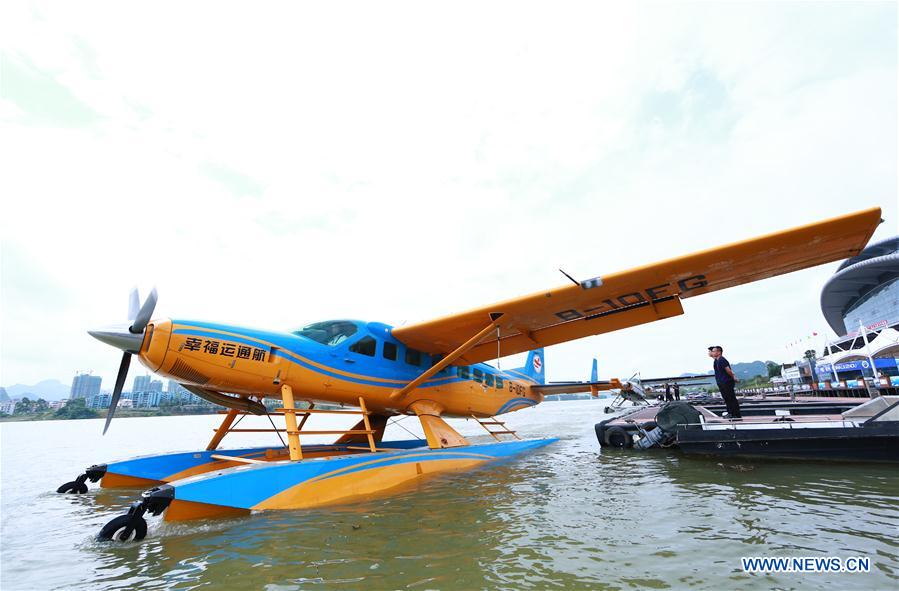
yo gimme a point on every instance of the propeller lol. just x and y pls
(129, 340)
(143, 315)
(133, 304)
(117, 391)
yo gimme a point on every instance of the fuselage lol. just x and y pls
(334, 361)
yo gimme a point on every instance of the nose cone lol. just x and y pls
(119, 337)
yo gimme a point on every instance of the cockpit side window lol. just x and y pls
(364, 346)
(331, 332)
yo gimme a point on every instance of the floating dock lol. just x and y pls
(819, 428)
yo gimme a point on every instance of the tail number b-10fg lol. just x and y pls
(656, 293)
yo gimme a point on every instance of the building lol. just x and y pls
(851, 365)
(141, 383)
(864, 289)
(147, 399)
(84, 386)
(8, 406)
(98, 401)
(861, 304)
(178, 393)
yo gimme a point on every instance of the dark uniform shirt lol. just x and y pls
(721, 376)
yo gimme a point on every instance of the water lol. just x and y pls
(564, 517)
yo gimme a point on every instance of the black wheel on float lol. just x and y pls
(607, 410)
(124, 528)
(618, 437)
(73, 487)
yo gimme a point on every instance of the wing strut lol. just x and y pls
(449, 359)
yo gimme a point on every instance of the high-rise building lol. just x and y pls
(85, 385)
(141, 384)
(155, 386)
(177, 392)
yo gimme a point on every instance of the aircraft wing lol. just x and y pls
(574, 387)
(640, 295)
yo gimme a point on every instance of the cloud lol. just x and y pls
(279, 165)
(41, 99)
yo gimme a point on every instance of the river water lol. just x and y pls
(567, 516)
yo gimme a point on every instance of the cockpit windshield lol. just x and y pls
(331, 332)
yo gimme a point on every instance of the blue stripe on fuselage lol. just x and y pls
(515, 402)
(290, 346)
(292, 356)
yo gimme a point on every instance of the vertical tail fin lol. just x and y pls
(534, 368)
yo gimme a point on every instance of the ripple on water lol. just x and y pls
(568, 516)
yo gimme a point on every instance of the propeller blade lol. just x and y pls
(117, 391)
(133, 304)
(143, 316)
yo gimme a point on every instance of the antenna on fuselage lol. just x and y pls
(573, 280)
(497, 348)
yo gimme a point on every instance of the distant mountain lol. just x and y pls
(743, 371)
(3, 395)
(47, 389)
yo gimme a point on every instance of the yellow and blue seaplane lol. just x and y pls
(430, 370)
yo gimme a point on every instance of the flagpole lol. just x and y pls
(862, 328)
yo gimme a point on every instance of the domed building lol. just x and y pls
(861, 301)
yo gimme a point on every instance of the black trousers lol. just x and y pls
(730, 399)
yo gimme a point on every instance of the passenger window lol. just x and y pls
(462, 372)
(488, 379)
(478, 375)
(499, 382)
(364, 346)
(413, 357)
(390, 351)
(437, 359)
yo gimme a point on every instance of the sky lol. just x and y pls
(275, 164)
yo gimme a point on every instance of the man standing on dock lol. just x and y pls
(726, 379)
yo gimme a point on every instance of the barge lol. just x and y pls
(865, 432)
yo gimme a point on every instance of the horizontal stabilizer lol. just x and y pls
(575, 387)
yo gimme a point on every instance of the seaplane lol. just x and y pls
(369, 371)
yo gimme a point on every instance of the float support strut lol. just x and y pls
(290, 417)
(222, 430)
